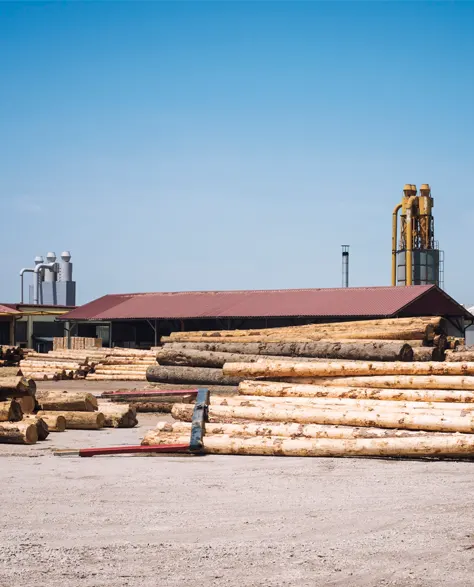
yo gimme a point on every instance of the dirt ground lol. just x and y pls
(147, 521)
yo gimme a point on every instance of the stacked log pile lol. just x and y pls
(197, 358)
(95, 364)
(17, 398)
(371, 406)
(11, 356)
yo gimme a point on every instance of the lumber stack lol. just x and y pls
(76, 342)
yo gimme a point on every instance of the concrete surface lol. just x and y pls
(145, 521)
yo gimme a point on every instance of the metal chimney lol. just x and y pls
(345, 265)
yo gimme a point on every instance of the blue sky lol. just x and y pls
(231, 145)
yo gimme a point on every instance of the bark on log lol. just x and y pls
(275, 429)
(17, 386)
(426, 353)
(118, 415)
(460, 356)
(9, 372)
(272, 389)
(55, 422)
(78, 420)
(191, 375)
(226, 389)
(18, 433)
(259, 348)
(442, 382)
(272, 369)
(130, 377)
(66, 400)
(426, 446)
(10, 411)
(384, 351)
(428, 422)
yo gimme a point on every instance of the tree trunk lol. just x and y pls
(191, 375)
(451, 408)
(422, 327)
(118, 415)
(462, 356)
(384, 351)
(9, 372)
(268, 429)
(16, 386)
(66, 400)
(18, 433)
(54, 421)
(442, 382)
(433, 422)
(260, 348)
(226, 389)
(272, 369)
(10, 411)
(427, 353)
(271, 389)
(126, 377)
(79, 420)
(425, 446)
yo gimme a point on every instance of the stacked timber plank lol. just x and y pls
(76, 342)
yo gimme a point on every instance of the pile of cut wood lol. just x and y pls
(334, 408)
(99, 364)
(76, 342)
(351, 389)
(198, 357)
(28, 415)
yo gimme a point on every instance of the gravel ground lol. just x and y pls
(144, 521)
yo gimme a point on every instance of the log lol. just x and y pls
(18, 433)
(118, 415)
(272, 389)
(55, 422)
(10, 411)
(426, 353)
(428, 422)
(460, 356)
(275, 429)
(420, 326)
(128, 377)
(426, 446)
(384, 351)
(227, 389)
(441, 382)
(260, 348)
(192, 375)
(450, 408)
(66, 400)
(272, 369)
(9, 372)
(78, 420)
(17, 386)
(41, 426)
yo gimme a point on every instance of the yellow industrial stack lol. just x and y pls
(416, 259)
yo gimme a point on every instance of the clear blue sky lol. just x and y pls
(226, 145)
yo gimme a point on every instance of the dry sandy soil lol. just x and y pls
(231, 521)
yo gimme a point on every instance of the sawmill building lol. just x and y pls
(139, 320)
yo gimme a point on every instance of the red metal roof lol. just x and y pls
(355, 301)
(7, 309)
